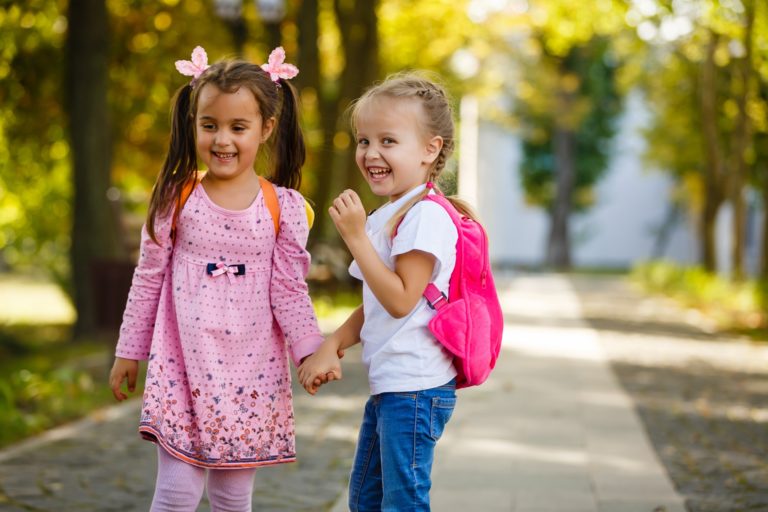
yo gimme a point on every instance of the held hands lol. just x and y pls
(348, 214)
(123, 369)
(320, 368)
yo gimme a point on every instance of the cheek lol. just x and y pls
(202, 139)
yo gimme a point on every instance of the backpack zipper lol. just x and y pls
(485, 257)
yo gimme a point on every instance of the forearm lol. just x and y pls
(348, 333)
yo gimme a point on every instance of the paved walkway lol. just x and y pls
(551, 431)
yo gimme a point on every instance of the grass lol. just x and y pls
(737, 307)
(47, 380)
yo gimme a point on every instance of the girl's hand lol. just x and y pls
(123, 369)
(321, 367)
(348, 214)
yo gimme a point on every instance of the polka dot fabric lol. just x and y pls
(218, 389)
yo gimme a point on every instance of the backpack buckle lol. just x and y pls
(434, 303)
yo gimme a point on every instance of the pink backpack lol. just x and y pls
(468, 322)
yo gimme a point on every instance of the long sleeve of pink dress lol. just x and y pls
(217, 315)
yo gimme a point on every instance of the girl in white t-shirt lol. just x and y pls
(405, 134)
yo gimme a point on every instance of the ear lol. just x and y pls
(266, 129)
(432, 149)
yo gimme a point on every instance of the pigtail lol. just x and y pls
(289, 149)
(397, 218)
(463, 207)
(180, 163)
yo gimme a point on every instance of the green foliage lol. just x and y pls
(672, 85)
(50, 384)
(735, 306)
(589, 71)
(34, 169)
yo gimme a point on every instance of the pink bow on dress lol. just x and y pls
(230, 270)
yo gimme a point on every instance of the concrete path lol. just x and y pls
(550, 431)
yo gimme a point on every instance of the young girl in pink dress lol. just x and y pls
(214, 304)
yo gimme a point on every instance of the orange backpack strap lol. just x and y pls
(270, 199)
(186, 191)
(267, 190)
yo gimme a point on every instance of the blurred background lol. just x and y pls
(594, 136)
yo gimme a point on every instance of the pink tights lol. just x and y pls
(180, 486)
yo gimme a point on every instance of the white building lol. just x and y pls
(622, 228)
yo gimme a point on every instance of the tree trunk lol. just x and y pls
(274, 35)
(558, 247)
(359, 38)
(307, 14)
(763, 172)
(664, 233)
(95, 230)
(714, 179)
(740, 144)
(564, 149)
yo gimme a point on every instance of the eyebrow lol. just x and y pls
(237, 120)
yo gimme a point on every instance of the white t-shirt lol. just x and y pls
(401, 354)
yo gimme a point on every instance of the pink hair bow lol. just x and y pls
(276, 66)
(196, 66)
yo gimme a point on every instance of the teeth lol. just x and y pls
(377, 170)
(225, 155)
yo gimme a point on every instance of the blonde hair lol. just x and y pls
(437, 120)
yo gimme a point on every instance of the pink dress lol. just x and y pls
(218, 388)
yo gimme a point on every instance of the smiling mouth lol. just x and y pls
(378, 172)
(224, 156)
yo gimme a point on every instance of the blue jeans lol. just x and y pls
(395, 449)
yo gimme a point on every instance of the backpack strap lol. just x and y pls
(433, 295)
(186, 191)
(267, 191)
(270, 199)
(435, 298)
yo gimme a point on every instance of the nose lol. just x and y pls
(371, 153)
(221, 138)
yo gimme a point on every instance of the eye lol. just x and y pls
(238, 128)
(387, 140)
(207, 126)
(362, 142)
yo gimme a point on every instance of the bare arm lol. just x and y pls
(324, 365)
(348, 333)
(398, 291)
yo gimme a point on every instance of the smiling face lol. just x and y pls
(394, 152)
(229, 129)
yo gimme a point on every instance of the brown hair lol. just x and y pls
(180, 166)
(437, 120)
